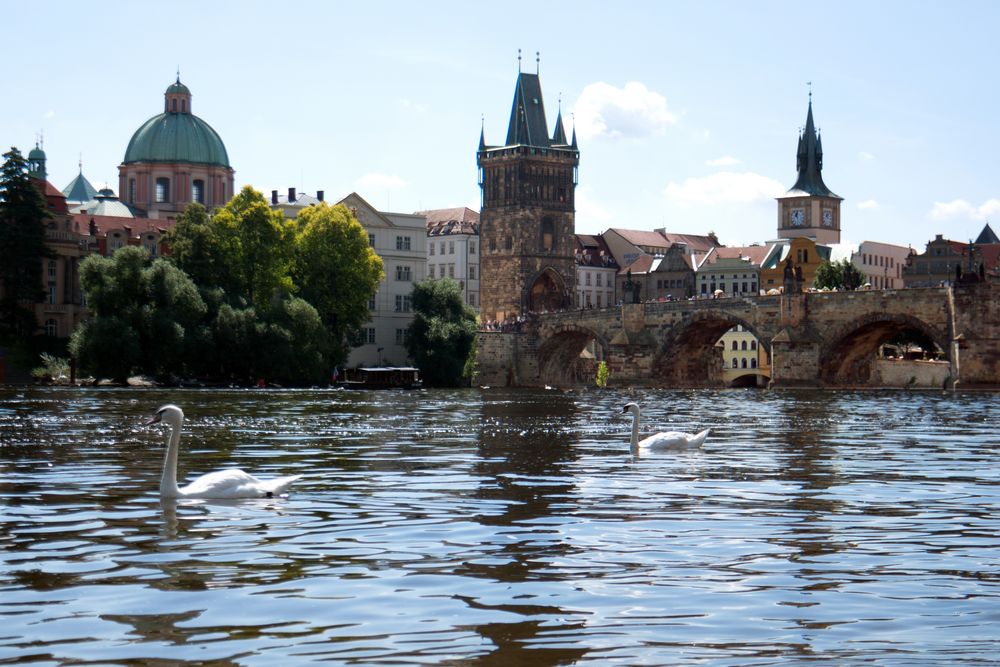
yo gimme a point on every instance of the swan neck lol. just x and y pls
(168, 482)
(634, 441)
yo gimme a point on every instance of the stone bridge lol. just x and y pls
(814, 339)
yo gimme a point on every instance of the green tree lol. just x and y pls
(146, 317)
(335, 270)
(839, 275)
(442, 335)
(252, 250)
(22, 245)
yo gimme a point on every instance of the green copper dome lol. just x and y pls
(36, 153)
(176, 137)
(177, 87)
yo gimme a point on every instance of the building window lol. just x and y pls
(404, 303)
(403, 274)
(402, 243)
(472, 272)
(198, 191)
(597, 280)
(370, 335)
(736, 363)
(52, 292)
(51, 328)
(441, 248)
(131, 191)
(735, 345)
(400, 336)
(451, 247)
(430, 249)
(548, 235)
(472, 299)
(743, 363)
(509, 243)
(371, 303)
(430, 270)
(753, 345)
(586, 279)
(451, 270)
(162, 190)
(743, 345)
(472, 247)
(151, 246)
(493, 245)
(753, 363)
(52, 269)
(371, 240)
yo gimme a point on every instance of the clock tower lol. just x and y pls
(809, 208)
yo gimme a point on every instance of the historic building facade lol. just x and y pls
(528, 188)
(453, 249)
(809, 209)
(173, 159)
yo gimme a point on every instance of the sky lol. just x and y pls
(687, 113)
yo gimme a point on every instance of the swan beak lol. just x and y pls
(155, 419)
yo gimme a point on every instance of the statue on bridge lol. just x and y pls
(630, 286)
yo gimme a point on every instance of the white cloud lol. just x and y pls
(866, 156)
(724, 161)
(868, 204)
(410, 105)
(621, 113)
(589, 213)
(959, 208)
(381, 182)
(725, 186)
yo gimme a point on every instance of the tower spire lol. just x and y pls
(538, 63)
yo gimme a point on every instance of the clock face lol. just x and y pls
(798, 217)
(828, 218)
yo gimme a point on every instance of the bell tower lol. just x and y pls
(527, 241)
(809, 208)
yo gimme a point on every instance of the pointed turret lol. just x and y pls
(809, 161)
(482, 138)
(559, 136)
(987, 236)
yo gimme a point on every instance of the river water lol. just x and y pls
(503, 527)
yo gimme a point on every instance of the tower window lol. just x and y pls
(162, 190)
(131, 190)
(548, 235)
(198, 191)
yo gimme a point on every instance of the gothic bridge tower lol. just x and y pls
(809, 208)
(526, 224)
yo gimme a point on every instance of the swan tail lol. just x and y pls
(279, 485)
(699, 439)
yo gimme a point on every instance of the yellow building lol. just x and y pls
(800, 256)
(745, 363)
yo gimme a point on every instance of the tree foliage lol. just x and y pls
(442, 335)
(22, 245)
(146, 317)
(841, 275)
(336, 270)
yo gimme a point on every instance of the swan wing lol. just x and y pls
(673, 440)
(235, 483)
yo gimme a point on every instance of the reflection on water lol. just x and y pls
(502, 527)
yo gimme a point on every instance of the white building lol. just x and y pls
(882, 264)
(596, 269)
(453, 249)
(400, 239)
(730, 271)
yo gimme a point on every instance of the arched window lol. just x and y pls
(131, 191)
(174, 105)
(198, 191)
(548, 235)
(753, 345)
(736, 363)
(735, 346)
(753, 363)
(162, 190)
(743, 362)
(51, 328)
(743, 345)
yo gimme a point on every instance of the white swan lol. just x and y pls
(219, 484)
(666, 440)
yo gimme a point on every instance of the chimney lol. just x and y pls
(274, 197)
(319, 195)
(291, 195)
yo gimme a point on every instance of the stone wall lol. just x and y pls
(911, 373)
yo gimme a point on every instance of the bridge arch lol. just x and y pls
(848, 356)
(688, 348)
(561, 355)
